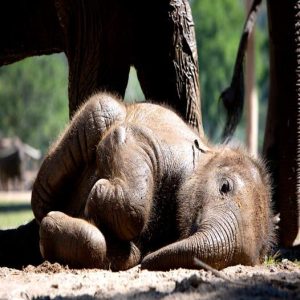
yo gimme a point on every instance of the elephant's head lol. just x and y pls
(224, 214)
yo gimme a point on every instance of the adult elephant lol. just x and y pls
(281, 145)
(102, 39)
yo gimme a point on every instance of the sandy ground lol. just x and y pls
(53, 281)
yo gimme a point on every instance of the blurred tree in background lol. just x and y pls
(33, 92)
(33, 99)
(218, 26)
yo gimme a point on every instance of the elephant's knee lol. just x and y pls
(113, 206)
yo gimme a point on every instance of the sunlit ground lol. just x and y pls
(15, 209)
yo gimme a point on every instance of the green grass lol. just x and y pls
(14, 213)
(272, 260)
(275, 259)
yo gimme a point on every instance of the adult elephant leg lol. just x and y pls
(20, 246)
(281, 145)
(97, 47)
(165, 57)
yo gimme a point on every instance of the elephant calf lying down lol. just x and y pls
(130, 184)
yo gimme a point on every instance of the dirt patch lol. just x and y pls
(53, 281)
(47, 268)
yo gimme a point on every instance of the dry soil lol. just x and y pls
(53, 281)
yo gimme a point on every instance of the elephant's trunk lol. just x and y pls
(217, 243)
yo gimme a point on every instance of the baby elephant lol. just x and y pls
(130, 184)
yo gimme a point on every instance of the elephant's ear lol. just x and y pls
(233, 96)
(67, 161)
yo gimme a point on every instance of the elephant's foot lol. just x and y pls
(122, 255)
(72, 241)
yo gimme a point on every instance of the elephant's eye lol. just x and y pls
(226, 186)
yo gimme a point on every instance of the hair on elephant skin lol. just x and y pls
(129, 184)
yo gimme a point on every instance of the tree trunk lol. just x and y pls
(281, 146)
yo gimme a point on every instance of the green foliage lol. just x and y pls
(276, 259)
(34, 102)
(218, 26)
(133, 91)
(33, 99)
(14, 213)
(272, 259)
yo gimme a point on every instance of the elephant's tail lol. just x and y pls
(233, 96)
(20, 247)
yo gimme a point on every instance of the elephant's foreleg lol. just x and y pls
(121, 200)
(76, 149)
(80, 244)
(113, 205)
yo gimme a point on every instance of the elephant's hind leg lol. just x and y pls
(79, 244)
(72, 241)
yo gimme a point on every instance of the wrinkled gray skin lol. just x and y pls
(130, 184)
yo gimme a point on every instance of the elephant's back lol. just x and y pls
(161, 120)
